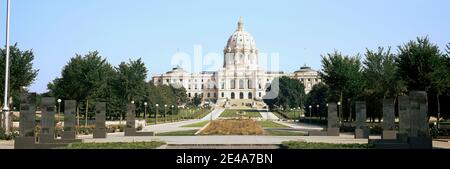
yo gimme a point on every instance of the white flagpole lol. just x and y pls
(6, 112)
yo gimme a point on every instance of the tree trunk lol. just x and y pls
(439, 110)
(78, 115)
(86, 115)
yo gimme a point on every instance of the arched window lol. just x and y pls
(232, 95)
(189, 94)
(241, 95)
(259, 94)
(223, 95)
(250, 95)
(209, 95)
(233, 84)
(250, 84)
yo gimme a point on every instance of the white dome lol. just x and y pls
(240, 40)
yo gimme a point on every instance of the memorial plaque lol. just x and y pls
(27, 122)
(100, 120)
(333, 123)
(69, 132)
(47, 134)
(130, 128)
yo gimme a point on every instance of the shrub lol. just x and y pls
(85, 130)
(139, 128)
(377, 130)
(11, 136)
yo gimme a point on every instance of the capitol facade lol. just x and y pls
(240, 79)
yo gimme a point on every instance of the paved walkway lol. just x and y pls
(215, 114)
(229, 140)
(268, 115)
(300, 126)
(177, 126)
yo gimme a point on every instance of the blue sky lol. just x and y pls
(300, 31)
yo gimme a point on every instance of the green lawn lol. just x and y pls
(199, 124)
(119, 145)
(241, 113)
(284, 133)
(271, 124)
(305, 145)
(178, 133)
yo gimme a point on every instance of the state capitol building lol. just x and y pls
(240, 78)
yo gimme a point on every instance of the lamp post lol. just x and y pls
(165, 112)
(156, 114)
(340, 113)
(318, 112)
(6, 112)
(59, 110)
(172, 113)
(310, 113)
(145, 110)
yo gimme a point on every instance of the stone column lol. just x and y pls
(26, 138)
(69, 132)
(361, 130)
(389, 132)
(47, 134)
(130, 128)
(404, 117)
(419, 137)
(333, 123)
(100, 120)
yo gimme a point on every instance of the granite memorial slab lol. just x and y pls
(361, 130)
(27, 122)
(47, 134)
(333, 122)
(69, 132)
(100, 120)
(389, 131)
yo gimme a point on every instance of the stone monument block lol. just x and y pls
(388, 114)
(361, 130)
(26, 138)
(47, 134)
(419, 137)
(69, 132)
(100, 120)
(389, 132)
(130, 127)
(333, 122)
(405, 118)
(419, 110)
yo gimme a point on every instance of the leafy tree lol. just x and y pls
(382, 81)
(84, 78)
(440, 77)
(318, 95)
(197, 100)
(21, 72)
(415, 62)
(291, 93)
(344, 77)
(129, 84)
